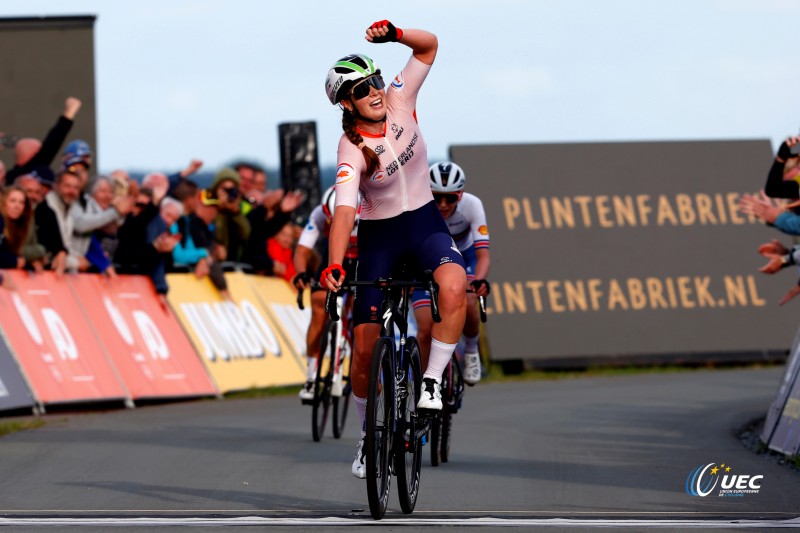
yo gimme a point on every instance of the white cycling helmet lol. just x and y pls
(345, 72)
(329, 202)
(447, 177)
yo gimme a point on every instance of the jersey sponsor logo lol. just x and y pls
(397, 82)
(379, 149)
(378, 176)
(344, 173)
(404, 156)
(483, 230)
(397, 130)
(310, 227)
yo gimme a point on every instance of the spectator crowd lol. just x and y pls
(778, 205)
(74, 220)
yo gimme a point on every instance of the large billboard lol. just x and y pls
(627, 249)
(45, 60)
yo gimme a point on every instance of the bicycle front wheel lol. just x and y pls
(408, 448)
(380, 427)
(322, 385)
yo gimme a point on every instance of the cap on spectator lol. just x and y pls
(43, 175)
(207, 198)
(76, 159)
(226, 173)
(77, 148)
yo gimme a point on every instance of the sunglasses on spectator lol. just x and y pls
(362, 88)
(449, 197)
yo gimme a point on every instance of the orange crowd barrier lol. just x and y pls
(145, 341)
(55, 342)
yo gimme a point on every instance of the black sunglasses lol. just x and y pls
(362, 88)
(449, 197)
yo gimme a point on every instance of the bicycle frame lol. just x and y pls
(405, 427)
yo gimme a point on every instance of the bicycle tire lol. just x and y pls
(408, 448)
(341, 404)
(322, 385)
(380, 427)
(437, 422)
(436, 432)
(455, 387)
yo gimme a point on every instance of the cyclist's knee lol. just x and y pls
(452, 292)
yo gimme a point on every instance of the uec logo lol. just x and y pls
(704, 479)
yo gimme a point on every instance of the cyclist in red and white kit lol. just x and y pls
(315, 237)
(383, 155)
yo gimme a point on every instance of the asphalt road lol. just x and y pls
(575, 452)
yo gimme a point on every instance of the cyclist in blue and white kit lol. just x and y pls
(382, 154)
(466, 220)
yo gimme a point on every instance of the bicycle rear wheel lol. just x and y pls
(342, 403)
(322, 385)
(408, 448)
(451, 405)
(380, 427)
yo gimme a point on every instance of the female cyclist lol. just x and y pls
(463, 212)
(314, 239)
(382, 154)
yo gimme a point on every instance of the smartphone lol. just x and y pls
(795, 150)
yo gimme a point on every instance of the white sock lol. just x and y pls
(311, 374)
(471, 344)
(361, 407)
(438, 359)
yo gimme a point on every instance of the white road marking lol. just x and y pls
(350, 522)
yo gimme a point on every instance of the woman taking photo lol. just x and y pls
(383, 155)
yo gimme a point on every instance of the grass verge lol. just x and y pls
(12, 426)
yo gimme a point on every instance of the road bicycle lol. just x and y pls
(452, 396)
(332, 389)
(396, 430)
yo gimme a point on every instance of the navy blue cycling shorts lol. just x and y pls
(418, 239)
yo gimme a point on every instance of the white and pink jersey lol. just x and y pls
(401, 183)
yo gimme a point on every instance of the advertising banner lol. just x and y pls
(785, 391)
(627, 249)
(240, 344)
(14, 393)
(146, 342)
(54, 341)
(786, 436)
(279, 300)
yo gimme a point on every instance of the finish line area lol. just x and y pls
(526, 519)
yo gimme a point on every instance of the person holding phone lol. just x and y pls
(382, 154)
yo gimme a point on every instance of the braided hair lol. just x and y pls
(350, 131)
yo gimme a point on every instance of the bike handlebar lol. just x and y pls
(384, 284)
(482, 307)
(313, 284)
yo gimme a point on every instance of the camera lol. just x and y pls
(8, 141)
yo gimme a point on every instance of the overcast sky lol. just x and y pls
(213, 79)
